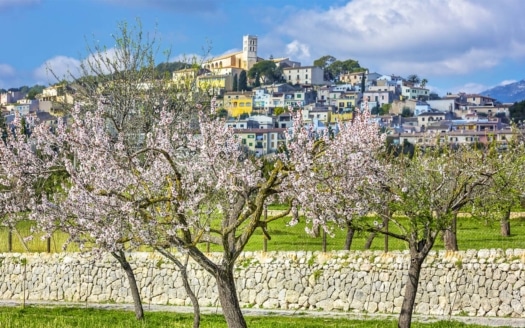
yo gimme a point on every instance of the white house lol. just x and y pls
(304, 75)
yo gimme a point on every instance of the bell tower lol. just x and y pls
(249, 51)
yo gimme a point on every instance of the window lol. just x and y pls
(306, 76)
(298, 96)
(298, 76)
(241, 104)
(273, 136)
(272, 144)
(244, 141)
(248, 104)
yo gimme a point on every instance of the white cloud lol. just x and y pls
(59, 67)
(434, 37)
(505, 82)
(298, 50)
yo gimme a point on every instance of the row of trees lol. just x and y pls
(137, 165)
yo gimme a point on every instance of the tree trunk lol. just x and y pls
(185, 281)
(135, 294)
(450, 236)
(405, 317)
(369, 240)
(385, 222)
(193, 298)
(505, 224)
(228, 298)
(324, 241)
(349, 237)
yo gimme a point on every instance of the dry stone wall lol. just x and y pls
(475, 283)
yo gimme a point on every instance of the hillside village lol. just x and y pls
(260, 115)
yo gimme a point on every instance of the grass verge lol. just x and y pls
(42, 317)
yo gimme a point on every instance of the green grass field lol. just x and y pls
(472, 234)
(40, 317)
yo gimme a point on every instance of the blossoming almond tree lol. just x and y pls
(40, 179)
(171, 190)
(423, 195)
(119, 88)
(24, 174)
(330, 167)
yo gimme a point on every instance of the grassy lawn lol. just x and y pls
(472, 234)
(39, 317)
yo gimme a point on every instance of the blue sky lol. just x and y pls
(457, 45)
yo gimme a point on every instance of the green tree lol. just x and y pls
(35, 90)
(385, 109)
(333, 67)
(433, 96)
(267, 72)
(424, 82)
(222, 113)
(257, 82)
(235, 86)
(363, 82)
(324, 61)
(413, 78)
(278, 111)
(3, 128)
(170, 67)
(406, 112)
(243, 82)
(517, 112)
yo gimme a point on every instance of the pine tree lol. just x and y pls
(243, 81)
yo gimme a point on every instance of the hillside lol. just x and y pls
(509, 93)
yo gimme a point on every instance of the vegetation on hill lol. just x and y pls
(334, 67)
(170, 67)
(517, 112)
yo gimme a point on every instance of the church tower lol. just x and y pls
(249, 51)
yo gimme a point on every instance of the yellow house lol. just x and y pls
(343, 117)
(237, 103)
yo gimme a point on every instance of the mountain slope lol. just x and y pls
(512, 92)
